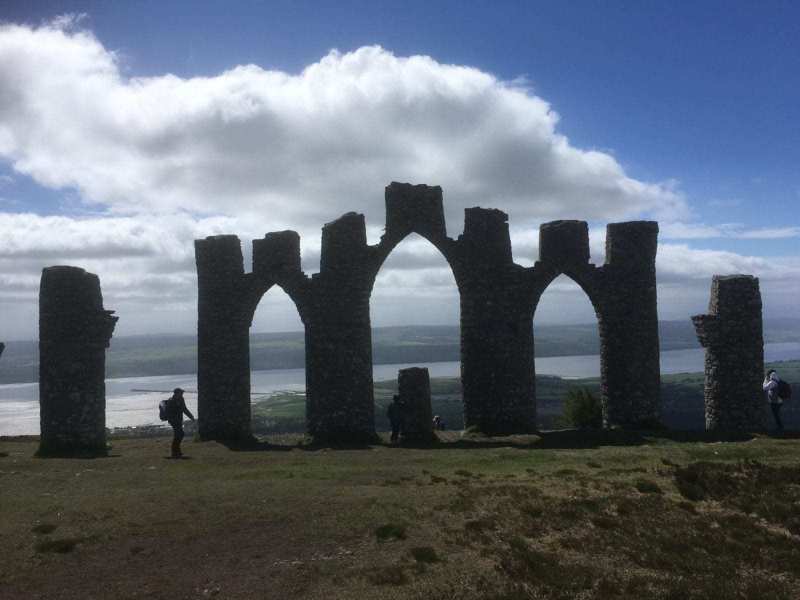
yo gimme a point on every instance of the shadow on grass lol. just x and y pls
(559, 439)
(255, 444)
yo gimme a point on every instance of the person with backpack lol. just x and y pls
(172, 410)
(777, 391)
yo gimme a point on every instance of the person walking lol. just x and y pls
(176, 408)
(771, 387)
(395, 413)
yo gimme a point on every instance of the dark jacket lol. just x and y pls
(178, 408)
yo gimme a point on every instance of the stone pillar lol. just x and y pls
(2, 347)
(416, 208)
(564, 244)
(223, 340)
(74, 332)
(496, 329)
(339, 394)
(628, 325)
(732, 335)
(276, 252)
(414, 388)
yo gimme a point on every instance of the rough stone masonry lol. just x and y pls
(414, 389)
(732, 334)
(74, 332)
(498, 299)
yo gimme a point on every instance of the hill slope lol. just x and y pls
(567, 515)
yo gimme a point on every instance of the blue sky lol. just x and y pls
(702, 99)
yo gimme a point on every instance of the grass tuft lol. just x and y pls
(44, 528)
(646, 486)
(425, 554)
(58, 546)
(390, 531)
(389, 575)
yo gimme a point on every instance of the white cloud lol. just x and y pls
(305, 147)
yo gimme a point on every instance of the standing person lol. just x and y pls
(395, 413)
(771, 385)
(176, 407)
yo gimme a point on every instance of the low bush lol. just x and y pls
(583, 410)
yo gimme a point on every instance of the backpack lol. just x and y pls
(165, 409)
(784, 390)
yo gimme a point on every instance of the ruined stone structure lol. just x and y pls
(498, 299)
(732, 335)
(414, 389)
(74, 332)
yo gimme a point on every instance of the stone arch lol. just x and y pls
(623, 294)
(227, 300)
(433, 307)
(497, 302)
(413, 209)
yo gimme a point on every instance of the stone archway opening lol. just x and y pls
(567, 349)
(277, 366)
(414, 314)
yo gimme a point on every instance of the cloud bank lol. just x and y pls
(164, 160)
(306, 146)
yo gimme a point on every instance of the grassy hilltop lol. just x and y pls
(563, 515)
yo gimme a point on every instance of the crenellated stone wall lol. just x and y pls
(74, 332)
(498, 299)
(732, 334)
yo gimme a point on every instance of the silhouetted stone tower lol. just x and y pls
(497, 370)
(74, 332)
(732, 335)
(223, 340)
(629, 345)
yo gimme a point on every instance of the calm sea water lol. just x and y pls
(125, 407)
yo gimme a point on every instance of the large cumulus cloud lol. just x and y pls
(302, 147)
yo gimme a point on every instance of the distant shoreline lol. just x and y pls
(170, 355)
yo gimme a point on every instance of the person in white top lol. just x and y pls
(775, 401)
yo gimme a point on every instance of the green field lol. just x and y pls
(563, 515)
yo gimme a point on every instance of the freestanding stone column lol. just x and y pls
(223, 340)
(74, 332)
(732, 335)
(340, 405)
(497, 371)
(628, 326)
(414, 388)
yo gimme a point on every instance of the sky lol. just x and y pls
(127, 130)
